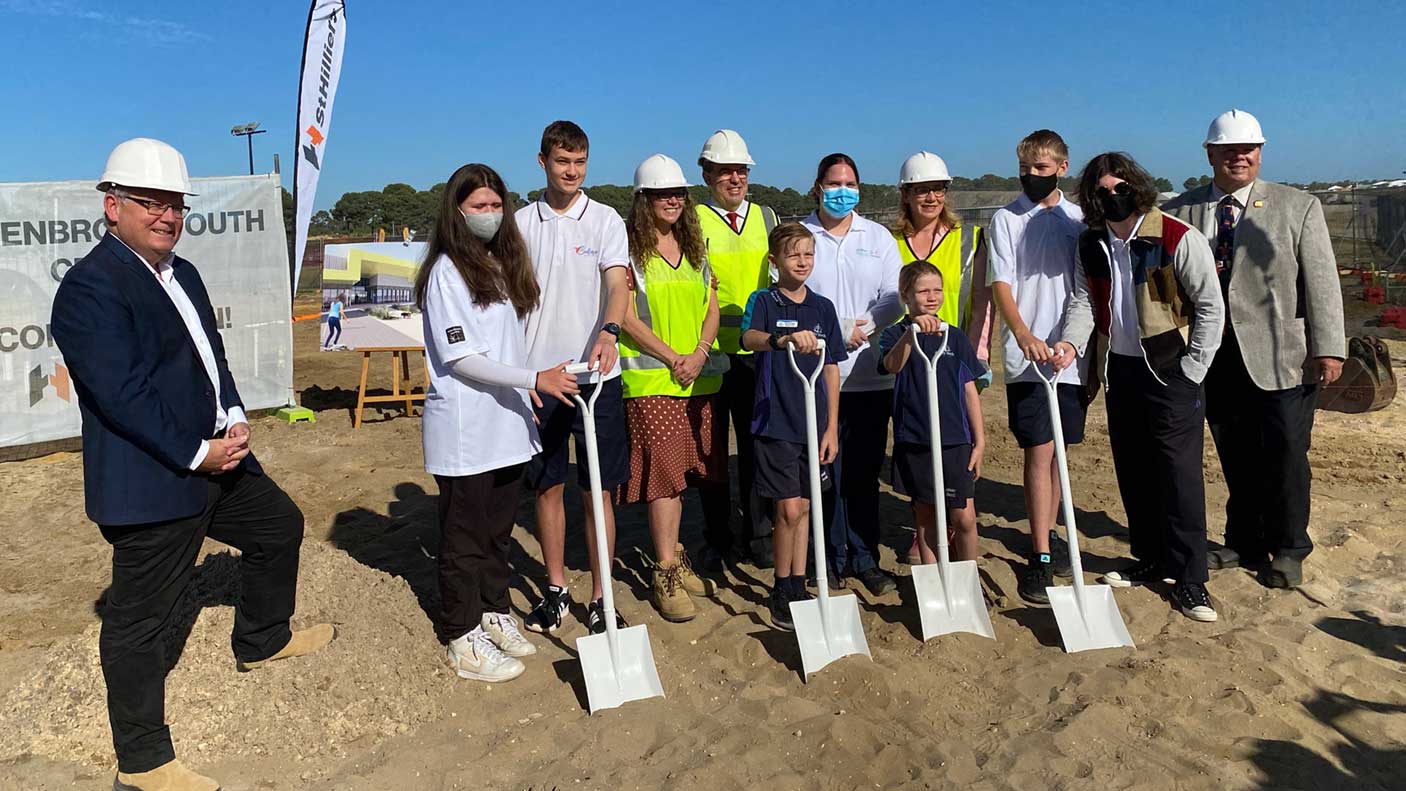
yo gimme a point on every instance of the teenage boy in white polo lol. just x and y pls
(580, 256)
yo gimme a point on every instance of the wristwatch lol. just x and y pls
(774, 341)
(611, 327)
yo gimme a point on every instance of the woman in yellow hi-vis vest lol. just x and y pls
(671, 372)
(929, 230)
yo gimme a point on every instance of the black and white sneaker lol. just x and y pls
(1142, 572)
(547, 616)
(1034, 580)
(1059, 557)
(595, 618)
(1194, 601)
(780, 607)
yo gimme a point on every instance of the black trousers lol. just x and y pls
(736, 399)
(1262, 438)
(151, 568)
(475, 525)
(1155, 431)
(851, 506)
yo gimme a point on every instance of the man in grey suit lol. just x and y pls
(1283, 338)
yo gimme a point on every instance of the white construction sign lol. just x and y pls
(234, 236)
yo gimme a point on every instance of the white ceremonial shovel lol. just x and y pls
(618, 665)
(949, 594)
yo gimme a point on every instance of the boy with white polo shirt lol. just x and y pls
(580, 256)
(1031, 266)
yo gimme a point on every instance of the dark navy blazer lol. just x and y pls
(146, 400)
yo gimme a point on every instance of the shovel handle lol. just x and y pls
(602, 560)
(939, 484)
(814, 375)
(1071, 529)
(817, 518)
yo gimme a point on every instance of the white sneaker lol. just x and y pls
(502, 629)
(474, 656)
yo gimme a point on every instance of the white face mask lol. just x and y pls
(484, 225)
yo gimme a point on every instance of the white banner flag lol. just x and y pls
(233, 236)
(322, 68)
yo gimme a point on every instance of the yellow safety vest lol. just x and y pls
(738, 259)
(672, 303)
(954, 258)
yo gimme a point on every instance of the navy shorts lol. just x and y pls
(781, 469)
(1028, 408)
(559, 422)
(911, 473)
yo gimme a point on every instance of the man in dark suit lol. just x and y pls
(166, 458)
(1284, 337)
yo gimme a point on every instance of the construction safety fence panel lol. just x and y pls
(1391, 217)
(234, 235)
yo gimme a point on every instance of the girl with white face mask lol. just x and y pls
(475, 288)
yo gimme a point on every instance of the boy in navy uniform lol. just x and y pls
(960, 421)
(790, 315)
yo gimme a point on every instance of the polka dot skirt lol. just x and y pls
(672, 441)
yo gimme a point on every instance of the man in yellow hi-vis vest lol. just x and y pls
(735, 231)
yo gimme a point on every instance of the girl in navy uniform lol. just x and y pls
(963, 440)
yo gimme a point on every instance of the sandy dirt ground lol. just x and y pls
(1289, 690)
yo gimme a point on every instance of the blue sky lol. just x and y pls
(428, 86)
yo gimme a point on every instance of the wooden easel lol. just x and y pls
(400, 374)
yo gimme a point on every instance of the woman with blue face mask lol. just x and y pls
(856, 268)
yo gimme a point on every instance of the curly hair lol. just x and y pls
(497, 270)
(1114, 163)
(644, 240)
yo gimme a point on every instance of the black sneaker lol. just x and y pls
(877, 581)
(547, 614)
(781, 610)
(1142, 572)
(1059, 557)
(595, 618)
(1194, 601)
(1033, 582)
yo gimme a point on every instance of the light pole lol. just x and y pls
(248, 131)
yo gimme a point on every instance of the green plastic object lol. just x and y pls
(297, 414)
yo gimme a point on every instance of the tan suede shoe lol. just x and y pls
(304, 641)
(669, 595)
(694, 584)
(170, 776)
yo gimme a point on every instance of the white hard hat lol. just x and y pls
(726, 147)
(1234, 127)
(659, 173)
(923, 166)
(144, 162)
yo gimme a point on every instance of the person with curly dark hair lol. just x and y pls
(1147, 282)
(672, 370)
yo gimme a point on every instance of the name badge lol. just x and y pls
(787, 324)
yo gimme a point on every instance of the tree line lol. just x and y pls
(401, 205)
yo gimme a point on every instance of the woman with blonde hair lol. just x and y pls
(671, 371)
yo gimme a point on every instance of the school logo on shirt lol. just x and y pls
(866, 252)
(582, 249)
(455, 334)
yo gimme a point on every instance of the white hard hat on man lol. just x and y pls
(725, 147)
(148, 163)
(1234, 127)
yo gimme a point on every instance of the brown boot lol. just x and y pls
(670, 597)
(694, 584)
(304, 641)
(170, 776)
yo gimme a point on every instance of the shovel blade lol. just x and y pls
(1093, 623)
(609, 685)
(963, 611)
(821, 646)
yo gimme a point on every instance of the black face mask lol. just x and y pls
(1037, 188)
(1117, 207)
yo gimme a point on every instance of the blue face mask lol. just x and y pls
(839, 201)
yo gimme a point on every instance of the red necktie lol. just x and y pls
(732, 220)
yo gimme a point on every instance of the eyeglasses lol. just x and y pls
(676, 196)
(723, 171)
(919, 190)
(157, 208)
(1121, 188)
